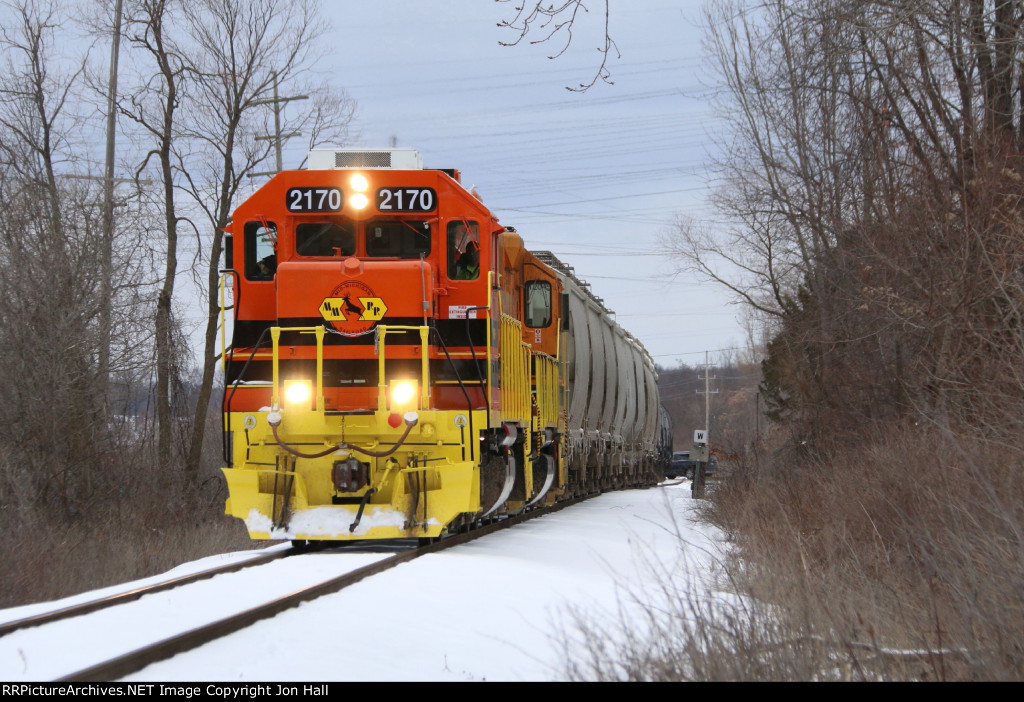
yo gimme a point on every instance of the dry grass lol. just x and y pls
(898, 560)
(49, 554)
(913, 542)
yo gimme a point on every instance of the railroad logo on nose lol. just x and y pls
(353, 308)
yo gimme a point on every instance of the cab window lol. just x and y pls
(397, 239)
(260, 250)
(463, 250)
(537, 303)
(335, 238)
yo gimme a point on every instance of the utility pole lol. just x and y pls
(277, 136)
(701, 449)
(107, 257)
(708, 392)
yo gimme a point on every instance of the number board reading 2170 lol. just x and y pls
(314, 199)
(406, 199)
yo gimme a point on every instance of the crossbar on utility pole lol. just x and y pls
(277, 136)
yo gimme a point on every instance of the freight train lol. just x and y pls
(401, 366)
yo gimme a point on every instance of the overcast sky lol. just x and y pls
(595, 177)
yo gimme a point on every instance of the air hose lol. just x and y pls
(274, 419)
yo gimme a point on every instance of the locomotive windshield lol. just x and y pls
(334, 238)
(397, 238)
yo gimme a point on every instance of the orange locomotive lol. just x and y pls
(399, 360)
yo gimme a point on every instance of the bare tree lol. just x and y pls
(58, 435)
(240, 49)
(872, 173)
(154, 107)
(556, 21)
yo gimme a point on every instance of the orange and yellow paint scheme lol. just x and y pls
(379, 384)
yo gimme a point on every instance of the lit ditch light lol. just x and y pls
(298, 394)
(403, 394)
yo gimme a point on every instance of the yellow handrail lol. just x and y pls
(382, 331)
(546, 372)
(515, 372)
(275, 338)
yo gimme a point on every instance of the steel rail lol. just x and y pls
(134, 594)
(134, 661)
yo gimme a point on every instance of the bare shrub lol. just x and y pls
(58, 557)
(677, 624)
(901, 559)
(136, 524)
(910, 543)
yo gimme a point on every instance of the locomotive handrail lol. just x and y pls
(491, 296)
(485, 377)
(223, 331)
(515, 371)
(275, 337)
(382, 331)
(488, 380)
(226, 408)
(462, 386)
(546, 382)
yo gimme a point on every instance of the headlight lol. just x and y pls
(359, 183)
(403, 394)
(297, 392)
(359, 201)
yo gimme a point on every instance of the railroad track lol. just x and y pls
(137, 659)
(115, 599)
(81, 608)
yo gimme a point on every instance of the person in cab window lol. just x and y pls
(267, 266)
(460, 236)
(468, 265)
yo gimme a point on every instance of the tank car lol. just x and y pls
(401, 366)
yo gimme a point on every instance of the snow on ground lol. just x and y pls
(24, 611)
(489, 610)
(70, 645)
(493, 609)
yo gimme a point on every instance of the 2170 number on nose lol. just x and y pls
(314, 200)
(406, 199)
